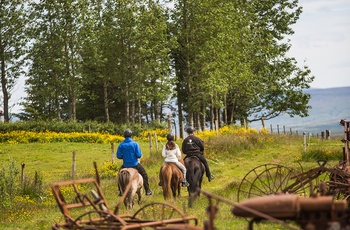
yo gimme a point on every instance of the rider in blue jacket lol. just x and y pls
(130, 152)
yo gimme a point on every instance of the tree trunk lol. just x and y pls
(140, 112)
(133, 111)
(225, 110)
(198, 119)
(127, 110)
(179, 109)
(203, 120)
(4, 87)
(105, 100)
(212, 116)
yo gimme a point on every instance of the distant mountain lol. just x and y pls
(329, 106)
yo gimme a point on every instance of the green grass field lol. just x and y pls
(53, 162)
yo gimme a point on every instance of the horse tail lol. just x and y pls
(166, 178)
(194, 178)
(191, 177)
(177, 177)
(124, 179)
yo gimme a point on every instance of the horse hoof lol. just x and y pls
(148, 193)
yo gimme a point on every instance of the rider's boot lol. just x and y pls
(185, 183)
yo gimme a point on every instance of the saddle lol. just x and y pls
(192, 155)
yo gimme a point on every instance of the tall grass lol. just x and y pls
(322, 150)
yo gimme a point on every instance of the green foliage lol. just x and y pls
(321, 151)
(108, 170)
(121, 61)
(9, 184)
(69, 127)
(11, 187)
(228, 144)
(34, 187)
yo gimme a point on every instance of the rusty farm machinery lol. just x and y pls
(314, 199)
(84, 206)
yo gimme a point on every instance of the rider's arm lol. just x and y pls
(164, 152)
(201, 145)
(138, 152)
(119, 152)
(178, 152)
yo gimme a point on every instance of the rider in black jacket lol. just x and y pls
(194, 146)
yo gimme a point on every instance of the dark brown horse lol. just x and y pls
(195, 171)
(171, 177)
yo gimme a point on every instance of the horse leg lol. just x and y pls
(160, 177)
(139, 201)
(139, 190)
(174, 188)
(168, 185)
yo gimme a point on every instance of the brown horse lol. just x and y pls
(171, 177)
(131, 182)
(195, 171)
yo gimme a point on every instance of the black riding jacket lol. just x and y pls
(192, 144)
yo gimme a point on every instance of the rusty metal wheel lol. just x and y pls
(337, 184)
(92, 220)
(270, 179)
(158, 211)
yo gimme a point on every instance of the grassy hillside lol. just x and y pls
(230, 158)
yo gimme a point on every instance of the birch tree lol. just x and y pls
(13, 22)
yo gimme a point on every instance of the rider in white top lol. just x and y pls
(172, 154)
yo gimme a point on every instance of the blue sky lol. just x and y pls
(321, 39)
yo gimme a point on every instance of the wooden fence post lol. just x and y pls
(150, 143)
(22, 175)
(328, 134)
(73, 164)
(112, 152)
(156, 141)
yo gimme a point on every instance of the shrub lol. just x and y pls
(9, 184)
